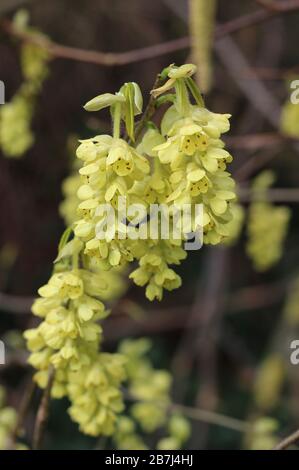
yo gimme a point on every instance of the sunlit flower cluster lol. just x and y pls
(182, 162)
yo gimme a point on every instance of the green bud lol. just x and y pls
(103, 101)
(138, 99)
(186, 70)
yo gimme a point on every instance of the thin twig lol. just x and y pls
(43, 412)
(257, 141)
(15, 304)
(145, 53)
(288, 441)
(245, 197)
(8, 5)
(211, 417)
(256, 163)
(210, 311)
(197, 414)
(269, 73)
(256, 17)
(160, 321)
(204, 318)
(288, 195)
(22, 412)
(256, 92)
(96, 57)
(278, 6)
(268, 4)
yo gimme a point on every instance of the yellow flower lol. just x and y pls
(63, 285)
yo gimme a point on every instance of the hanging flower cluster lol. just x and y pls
(16, 136)
(267, 226)
(8, 421)
(114, 278)
(201, 24)
(68, 340)
(269, 382)
(262, 434)
(183, 162)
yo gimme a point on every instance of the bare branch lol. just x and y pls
(212, 417)
(288, 441)
(199, 414)
(8, 5)
(150, 52)
(22, 412)
(43, 412)
(278, 6)
(275, 195)
(15, 304)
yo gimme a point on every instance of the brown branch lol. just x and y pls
(210, 310)
(212, 417)
(173, 316)
(257, 141)
(267, 142)
(159, 321)
(268, 73)
(287, 195)
(268, 4)
(256, 17)
(198, 414)
(150, 52)
(8, 5)
(288, 441)
(15, 304)
(43, 412)
(197, 344)
(22, 412)
(254, 164)
(278, 6)
(96, 57)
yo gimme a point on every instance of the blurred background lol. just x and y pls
(225, 334)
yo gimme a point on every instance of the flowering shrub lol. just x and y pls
(182, 161)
